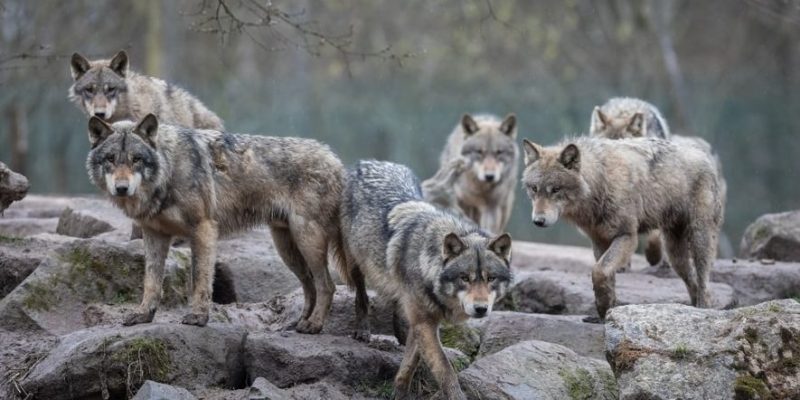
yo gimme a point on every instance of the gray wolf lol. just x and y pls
(485, 191)
(614, 189)
(108, 89)
(435, 264)
(626, 117)
(202, 184)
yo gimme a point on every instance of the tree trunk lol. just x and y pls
(18, 124)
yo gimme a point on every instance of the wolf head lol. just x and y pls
(123, 155)
(99, 84)
(476, 271)
(617, 127)
(552, 180)
(489, 148)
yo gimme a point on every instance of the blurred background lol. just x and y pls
(390, 79)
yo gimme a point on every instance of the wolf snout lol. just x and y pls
(121, 188)
(489, 177)
(480, 311)
(100, 114)
(540, 221)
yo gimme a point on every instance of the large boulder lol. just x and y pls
(530, 256)
(556, 292)
(538, 370)
(103, 362)
(502, 329)
(773, 236)
(674, 351)
(158, 391)
(13, 186)
(81, 224)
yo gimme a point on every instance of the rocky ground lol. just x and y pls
(68, 271)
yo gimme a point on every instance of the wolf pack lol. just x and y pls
(437, 248)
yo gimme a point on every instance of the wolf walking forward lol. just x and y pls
(200, 184)
(614, 189)
(109, 90)
(485, 191)
(437, 265)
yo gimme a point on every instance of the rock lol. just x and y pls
(752, 281)
(674, 351)
(538, 370)
(54, 297)
(530, 256)
(262, 389)
(114, 361)
(773, 236)
(158, 391)
(18, 258)
(19, 352)
(555, 292)
(24, 227)
(502, 329)
(81, 224)
(13, 186)
(289, 358)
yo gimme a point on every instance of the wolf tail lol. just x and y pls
(339, 255)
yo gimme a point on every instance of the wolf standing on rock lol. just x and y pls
(435, 264)
(614, 189)
(200, 184)
(485, 191)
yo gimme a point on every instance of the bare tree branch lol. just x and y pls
(288, 30)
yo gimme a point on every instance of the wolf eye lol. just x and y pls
(110, 158)
(464, 278)
(490, 279)
(89, 90)
(534, 189)
(136, 159)
(111, 92)
(555, 189)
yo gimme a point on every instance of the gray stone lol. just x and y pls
(555, 292)
(674, 351)
(113, 361)
(262, 389)
(773, 236)
(502, 329)
(530, 256)
(81, 224)
(13, 186)
(538, 370)
(158, 391)
(24, 227)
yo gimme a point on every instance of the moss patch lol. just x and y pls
(143, 359)
(579, 383)
(381, 390)
(747, 387)
(627, 354)
(461, 337)
(681, 352)
(39, 297)
(11, 240)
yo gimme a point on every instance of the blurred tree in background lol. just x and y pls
(389, 79)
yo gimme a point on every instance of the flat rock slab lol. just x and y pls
(538, 370)
(531, 256)
(555, 292)
(502, 329)
(88, 363)
(678, 352)
(158, 391)
(82, 223)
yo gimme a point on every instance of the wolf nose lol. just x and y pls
(489, 177)
(122, 189)
(480, 311)
(100, 115)
(539, 221)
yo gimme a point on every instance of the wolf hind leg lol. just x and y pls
(156, 246)
(677, 248)
(204, 255)
(293, 259)
(703, 245)
(312, 241)
(362, 331)
(405, 374)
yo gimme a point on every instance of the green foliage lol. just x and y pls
(460, 337)
(144, 358)
(579, 383)
(382, 389)
(748, 387)
(39, 297)
(681, 352)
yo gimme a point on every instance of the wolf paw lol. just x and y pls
(362, 335)
(136, 318)
(195, 319)
(306, 326)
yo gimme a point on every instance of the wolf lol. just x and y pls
(614, 189)
(626, 117)
(485, 191)
(202, 184)
(109, 90)
(435, 264)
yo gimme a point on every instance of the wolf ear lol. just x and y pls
(509, 125)
(119, 63)
(79, 65)
(636, 124)
(453, 246)
(469, 125)
(532, 151)
(570, 157)
(501, 246)
(99, 130)
(148, 129)
(599, 120)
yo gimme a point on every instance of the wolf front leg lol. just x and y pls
(204, 248)
(617, 256)
(402, 381)
(426, 338)
(156, 246)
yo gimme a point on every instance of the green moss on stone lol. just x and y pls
(579, 383)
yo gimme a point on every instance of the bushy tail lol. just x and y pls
(339, 256)
(652, 249)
